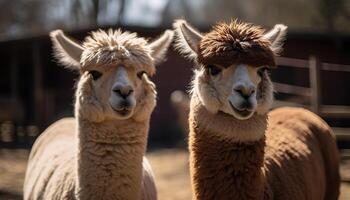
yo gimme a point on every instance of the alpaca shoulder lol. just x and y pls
(298, 123)
(295, 156)
(297, 116)
(51, 163)
(63, 129)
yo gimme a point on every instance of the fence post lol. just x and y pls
(315, 83)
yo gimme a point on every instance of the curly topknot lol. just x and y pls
(236, 42)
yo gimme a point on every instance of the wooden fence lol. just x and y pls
(314, 92)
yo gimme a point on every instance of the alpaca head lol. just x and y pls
(114, 68)
(231, 73)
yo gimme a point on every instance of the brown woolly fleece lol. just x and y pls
(297, 159)
(233, 43)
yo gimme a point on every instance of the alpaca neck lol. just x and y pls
(109, 159)
(226, 155)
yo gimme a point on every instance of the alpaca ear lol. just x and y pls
(277, 36)
(160, 46)
(66, 50)
(187, 38)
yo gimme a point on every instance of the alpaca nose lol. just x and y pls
(245, 91)
(123, 90)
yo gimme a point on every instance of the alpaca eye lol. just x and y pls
(139, 74)
(213, 70)
(262, 70)
(95, 74)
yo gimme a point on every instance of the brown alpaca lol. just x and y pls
(99, 154)
(239, 150)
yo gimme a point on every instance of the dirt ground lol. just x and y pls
(170, 167)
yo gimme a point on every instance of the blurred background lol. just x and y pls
(314, 72)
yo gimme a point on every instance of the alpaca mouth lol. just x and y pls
(123, 111)
(245, 112)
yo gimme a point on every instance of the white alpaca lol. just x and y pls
(239, 150)
(99, 154)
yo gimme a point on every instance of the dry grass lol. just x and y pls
(12, 169)
(170, 167)
(171, 172)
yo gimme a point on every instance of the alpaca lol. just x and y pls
(99, 154)
(238, 149)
